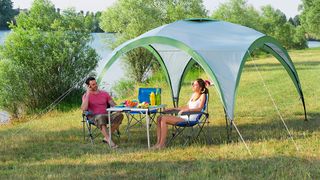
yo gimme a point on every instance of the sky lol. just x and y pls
(288, 7)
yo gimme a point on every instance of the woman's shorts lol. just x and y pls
(192, 117)
(102, 119)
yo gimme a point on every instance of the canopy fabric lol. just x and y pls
(220, 48)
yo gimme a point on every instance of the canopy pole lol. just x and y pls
(245, 144)
(228, 127)
(304, 107)
(175, 102)
(274, 103)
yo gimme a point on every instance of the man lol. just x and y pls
(96, 101)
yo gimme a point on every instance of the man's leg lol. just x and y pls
(101, 122)
(106, 136)
(116, 120)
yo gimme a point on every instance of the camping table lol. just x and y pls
(128, 109)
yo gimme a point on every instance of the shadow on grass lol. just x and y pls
(43, 145)
(282, 167)
(274, 129)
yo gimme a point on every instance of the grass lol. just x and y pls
(52, 147)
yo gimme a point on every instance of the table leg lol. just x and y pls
(109, 119)
(148, 122)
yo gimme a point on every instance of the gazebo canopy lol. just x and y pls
(220, 48)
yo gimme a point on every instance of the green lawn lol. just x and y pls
(52, 146)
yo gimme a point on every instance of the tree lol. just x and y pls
(43, 56)
(275, 24)
(6, 13)
(239, 12)
(271, 22)
(131, 18)
(310, 17)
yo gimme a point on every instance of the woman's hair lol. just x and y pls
(202, 85)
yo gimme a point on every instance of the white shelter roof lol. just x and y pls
(219, 47)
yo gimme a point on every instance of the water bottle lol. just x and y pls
(152, 99)
(158, 97)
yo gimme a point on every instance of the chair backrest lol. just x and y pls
(144, 94)
(205, 107)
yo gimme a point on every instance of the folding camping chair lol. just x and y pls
(136, 117)
(90, 130)
(200, 121)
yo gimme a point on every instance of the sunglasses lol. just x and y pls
(193, 84)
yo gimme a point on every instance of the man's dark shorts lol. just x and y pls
(102, 119)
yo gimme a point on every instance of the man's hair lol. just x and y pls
(89, 79)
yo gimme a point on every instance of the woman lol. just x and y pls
(196, 103)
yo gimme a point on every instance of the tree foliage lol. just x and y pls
(131, 18)
(6, 13)
(275, 24)
(310, 17)
(271, 22)
(43, 56)
(239, 12)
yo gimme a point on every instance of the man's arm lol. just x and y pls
(85, 102)
(111, 103)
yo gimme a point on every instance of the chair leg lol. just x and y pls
(83, 129)
(176, 132)
(153, 119)
(189, 138)
(90, 136)
(201, 130)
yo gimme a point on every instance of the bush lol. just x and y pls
(124, 89)
(46, 54)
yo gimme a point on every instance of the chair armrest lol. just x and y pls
(170, 111)
(188, 113)
(192, 112)
(86, 113)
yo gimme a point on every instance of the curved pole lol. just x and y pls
(147, 41)
(262, 43)
(295, 76)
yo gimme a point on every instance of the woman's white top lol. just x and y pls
(192, 105)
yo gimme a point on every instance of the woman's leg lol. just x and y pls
(165, 120)
(158, 129)
(159, 119)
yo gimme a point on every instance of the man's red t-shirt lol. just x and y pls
(98, 102)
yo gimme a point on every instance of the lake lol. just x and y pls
(313, 44)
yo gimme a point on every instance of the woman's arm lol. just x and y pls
(181, 108)
(199, 108)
